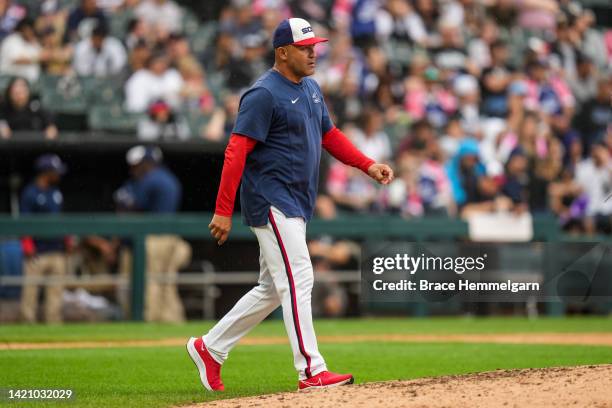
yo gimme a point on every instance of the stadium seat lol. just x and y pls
(118, 23)
(190, 23)
(203, 37)
(62, 94)
(4, 81)
(102, 91)
(113, 119)
(216, 83)
(197, 122)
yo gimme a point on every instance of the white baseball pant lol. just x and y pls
(286, 278)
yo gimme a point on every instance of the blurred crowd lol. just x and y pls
(480, 105)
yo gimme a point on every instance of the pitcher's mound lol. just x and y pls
(585, 386)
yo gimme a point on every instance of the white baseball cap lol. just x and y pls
(295, 31)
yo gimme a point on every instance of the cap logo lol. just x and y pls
(295, 31)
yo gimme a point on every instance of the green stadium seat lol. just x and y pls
(62, 94)
(190, 23)
(113, 119)
(118, 23)
(203, 37)
(216, 83)
(4, 81)
(102, 91)
(197, 121)
(67, 3)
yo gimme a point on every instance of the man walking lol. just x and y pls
(281, 126)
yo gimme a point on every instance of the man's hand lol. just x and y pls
(381, 173)
(220, 227)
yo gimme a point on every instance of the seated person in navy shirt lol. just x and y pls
(44, 256)
(154, 189)
(83, 19)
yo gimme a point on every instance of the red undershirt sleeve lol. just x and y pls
(339, 146)
(237, 150)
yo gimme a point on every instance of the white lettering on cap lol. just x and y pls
(300, 29)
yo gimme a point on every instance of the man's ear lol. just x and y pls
(283, 53)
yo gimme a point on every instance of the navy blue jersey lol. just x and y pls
(288, 121)
(158, 191)
(35, 200)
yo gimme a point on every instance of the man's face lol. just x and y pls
(301, 59)
(159, 66)
(500, 54)
(53, 177)
(137, 171)
(97, 41)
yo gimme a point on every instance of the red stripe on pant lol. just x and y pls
(294, 310)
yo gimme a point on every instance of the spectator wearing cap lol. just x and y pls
(157, 81)
(100, 55)
(45, 257)
(468, 94)
(21, 53)
(162, 123)
(472, 190)
(162, 16)
(154, 189)
(83, 19)
(20, 112)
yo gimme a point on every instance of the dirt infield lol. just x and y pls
(585, 386)
(584, 339)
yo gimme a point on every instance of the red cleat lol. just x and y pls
(210, 370)
(325, 379)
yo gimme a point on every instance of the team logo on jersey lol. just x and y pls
(316, 98)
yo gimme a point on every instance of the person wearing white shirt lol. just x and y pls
(594, 175)
(155, 82)
(100, 55)
(20, 53)
(161, 15)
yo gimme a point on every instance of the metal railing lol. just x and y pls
(137, 227)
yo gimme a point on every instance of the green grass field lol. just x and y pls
(165, 376)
